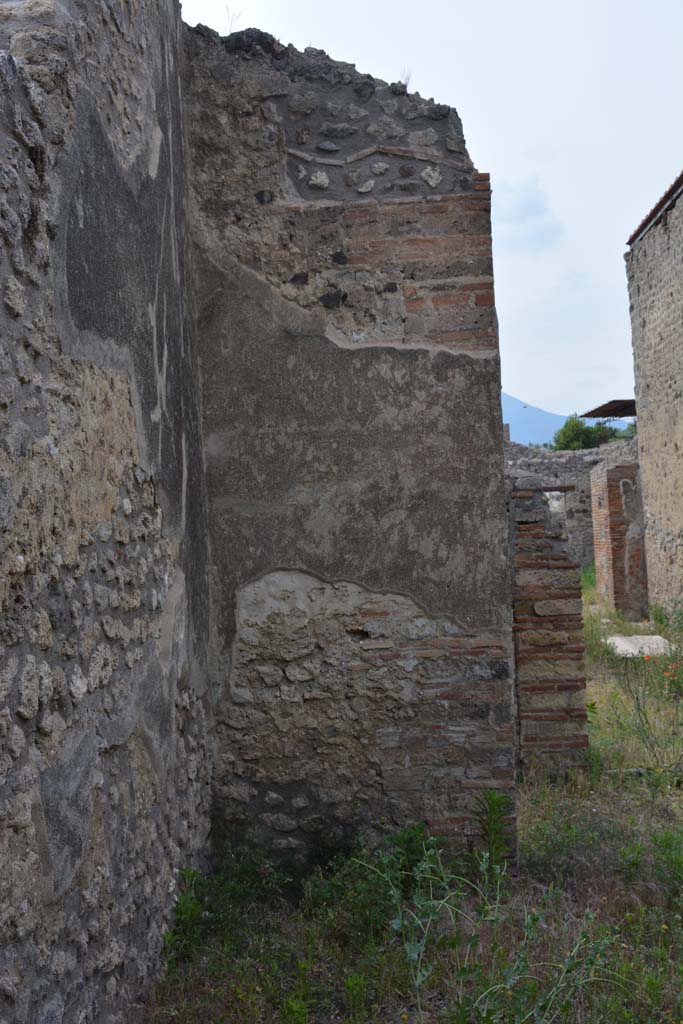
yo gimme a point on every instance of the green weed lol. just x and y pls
(588, 928)
(594, 637)
(356, 987)
(588, 584)
(294, 1011)
(491, 813)
(185, 938)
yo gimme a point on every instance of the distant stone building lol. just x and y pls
(654, 265)
(566, 478)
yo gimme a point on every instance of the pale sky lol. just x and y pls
(573, 108)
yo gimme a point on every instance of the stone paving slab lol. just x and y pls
(636, 646)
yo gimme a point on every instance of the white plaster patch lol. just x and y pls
(361, 339)
(155, 152)
(173, 622)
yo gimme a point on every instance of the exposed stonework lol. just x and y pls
(620, 571)
(655, 286)
(350, 710)
(350, 380)
(104, 781)
(410, 266)
(566, 477)
(548, 633)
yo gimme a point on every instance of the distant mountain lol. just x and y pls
(529, 425)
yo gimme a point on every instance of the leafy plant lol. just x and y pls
(659, 617)
(654, 719)
(492, 811)
(676, 618)
(589, 931)
(594, 637)
(184, 939)
(434, 891)
(357, 903)
(294, 1011)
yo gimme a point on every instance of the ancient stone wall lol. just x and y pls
(620, 570)
(103, 774)
(655, 287)
(566, 476)
(548, 627)
(353, 441)
(314, 573)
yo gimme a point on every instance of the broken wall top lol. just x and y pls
(345, 134)
(357, 202)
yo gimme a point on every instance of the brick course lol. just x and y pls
(548, 634)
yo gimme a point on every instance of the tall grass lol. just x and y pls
(586, 928)
(588, 584)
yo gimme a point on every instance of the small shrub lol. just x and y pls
(659, 617)
(491, 813)
(675, 623)
(669, 671)
(356, 996)
(594, 638)
(432, 893)
(357, 902)
(668, 866)
(589, 932)
(183, 941)
(574, 846)
(631, 857)
(294, 1011)
(654, 719)
(212, 914)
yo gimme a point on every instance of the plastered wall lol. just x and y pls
(346, 328)
(104, 773)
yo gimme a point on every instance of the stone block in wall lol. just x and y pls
(548, 634)
(619, 539)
